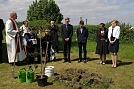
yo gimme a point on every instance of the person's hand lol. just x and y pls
(34, 39)
(105, 40)
(67, 39)
(111, 42)
(19, 31)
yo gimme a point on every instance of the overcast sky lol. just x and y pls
(95, 11)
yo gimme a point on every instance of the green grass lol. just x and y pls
(123, 75)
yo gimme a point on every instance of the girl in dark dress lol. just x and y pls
(102, 43)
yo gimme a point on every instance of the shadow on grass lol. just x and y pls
(58, 59)
(119, 62)
(124, 63)
(88, 59)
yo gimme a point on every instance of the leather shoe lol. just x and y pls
(85, 61)
(69, 61)
(79, 61)
(64, 61)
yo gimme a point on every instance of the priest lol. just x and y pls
(14, 49)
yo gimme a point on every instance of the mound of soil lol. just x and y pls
(77, 79)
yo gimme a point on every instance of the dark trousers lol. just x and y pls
(80, 50)
(1, 51)
(48, 52)
(66, 49)
(31, 52)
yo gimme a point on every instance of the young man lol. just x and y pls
(82, 35)
(67, 33)
(47, 39)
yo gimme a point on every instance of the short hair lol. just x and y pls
(12, 14)
(52, 22)
(25, 21)
(31, 28)
(67, 18)
(40, 28)
(102, 24)
(115, 21)
(81, 22)
(47, 30)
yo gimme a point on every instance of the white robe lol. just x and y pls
(11, 44)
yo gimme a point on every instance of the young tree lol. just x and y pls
(44, 10)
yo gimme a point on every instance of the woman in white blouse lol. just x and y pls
(113, 36)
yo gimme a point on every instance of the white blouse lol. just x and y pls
(116, 32)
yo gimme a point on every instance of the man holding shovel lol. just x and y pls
(14, 50)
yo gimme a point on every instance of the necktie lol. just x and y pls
(66, 27)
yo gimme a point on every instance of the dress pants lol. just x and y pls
(66, 49)
(80, 44)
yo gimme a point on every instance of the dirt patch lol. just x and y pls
(78, 79)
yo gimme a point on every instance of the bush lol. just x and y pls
(126, 35)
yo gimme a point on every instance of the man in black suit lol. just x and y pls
(2, 26)
(82, 35)
(67, 33)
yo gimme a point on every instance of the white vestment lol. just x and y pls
(11, 43)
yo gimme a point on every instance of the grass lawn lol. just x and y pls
(123, 75)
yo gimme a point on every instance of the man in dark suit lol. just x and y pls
(2, 26)
(54, 34)
(67, 33)
(82, 35)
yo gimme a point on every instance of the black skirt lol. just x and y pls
(114, 47)
(102, 47)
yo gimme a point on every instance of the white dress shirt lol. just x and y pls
(116, 32)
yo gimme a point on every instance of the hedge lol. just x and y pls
(126, 36)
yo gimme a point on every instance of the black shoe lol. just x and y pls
(69, 61)
(79, 61)
(85, 61)
(65, 61)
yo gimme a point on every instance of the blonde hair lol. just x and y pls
(115, 21)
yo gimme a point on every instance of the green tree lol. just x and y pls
(44, 10)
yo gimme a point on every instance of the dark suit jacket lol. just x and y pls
(82, 37)
(66, 33)
(2, 26)
(54, 34)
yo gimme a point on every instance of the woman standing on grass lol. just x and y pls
(113, 36)
(102, 43)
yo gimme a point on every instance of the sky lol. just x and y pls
(95, 11)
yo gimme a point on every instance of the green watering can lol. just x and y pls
(22, 75)
(30, 74)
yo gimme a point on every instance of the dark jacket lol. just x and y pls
(54, 34)
(82, 37)
(47, 38)
(66, 33)
(2, 26)
(28, 38)
(98, 36)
